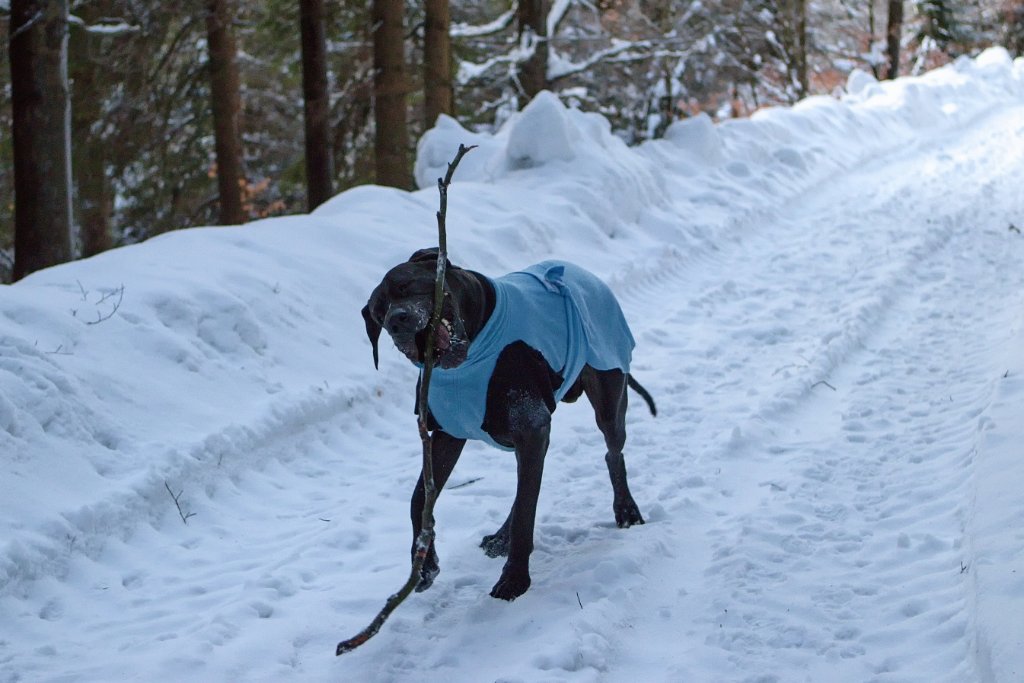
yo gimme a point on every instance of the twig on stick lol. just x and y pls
(426, 535)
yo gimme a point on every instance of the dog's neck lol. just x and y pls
(477, 302)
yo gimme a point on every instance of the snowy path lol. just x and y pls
(824, 376)
(822, 490)
(838, 546)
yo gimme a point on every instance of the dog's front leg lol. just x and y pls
(531, 447)
(445, 451)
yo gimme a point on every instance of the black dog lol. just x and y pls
(506, 351)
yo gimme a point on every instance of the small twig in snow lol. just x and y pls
(120, 297)
(823, 382)
(464, 484)
(578, 599)
(177, 503)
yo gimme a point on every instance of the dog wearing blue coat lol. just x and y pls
(507, 350)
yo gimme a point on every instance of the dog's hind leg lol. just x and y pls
(445, 451)
(606, 390)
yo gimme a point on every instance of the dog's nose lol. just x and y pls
(401, 320)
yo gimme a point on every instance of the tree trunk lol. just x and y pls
(390, 86)
(437, 62)
(319, 160)
(800, 26)
(871, 36)
(41, 134)
(92, 194)
(893, 33)
(532, 74)
(225, 102)
(1013, 15)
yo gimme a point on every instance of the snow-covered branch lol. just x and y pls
(115, 28)
(528, 45)
(559, 8)
(496, 26)
(619, 53)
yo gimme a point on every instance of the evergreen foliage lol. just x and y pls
(141, 96)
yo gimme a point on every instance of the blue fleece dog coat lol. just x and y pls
(563, 311)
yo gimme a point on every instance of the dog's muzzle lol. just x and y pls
(408, 329)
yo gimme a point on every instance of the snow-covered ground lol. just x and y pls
(828, 302)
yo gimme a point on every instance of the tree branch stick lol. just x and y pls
(426, 535)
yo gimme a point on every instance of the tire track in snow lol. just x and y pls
(228, 479)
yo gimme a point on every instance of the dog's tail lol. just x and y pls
(635, 386)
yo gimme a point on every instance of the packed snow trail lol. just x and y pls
(853, 341)
(831, 329)
(842, 543)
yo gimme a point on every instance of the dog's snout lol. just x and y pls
(402, 320)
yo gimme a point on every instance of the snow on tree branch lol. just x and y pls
(112, 29)
(496, 26)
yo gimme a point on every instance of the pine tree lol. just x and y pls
(893, 36)
(319, 159)
(438, 95)
(390, 90)
(41, 125)
(225, 101)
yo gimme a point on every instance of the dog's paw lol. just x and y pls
(628, 514)
(511, 585)
(495, 545)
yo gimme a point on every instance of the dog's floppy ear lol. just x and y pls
(428, 254)
(372, 331)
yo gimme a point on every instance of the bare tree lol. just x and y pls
(390, 87)
(438, 96)
(531, 74)
(319, 160)
(893, 34)
(225, 102)
(41, 134)
(800, 43)
(791, 45)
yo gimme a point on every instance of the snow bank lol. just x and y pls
(166, 365)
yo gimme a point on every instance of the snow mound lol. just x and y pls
(698, 137)
(860, 82)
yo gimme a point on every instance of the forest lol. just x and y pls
(124, 119)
